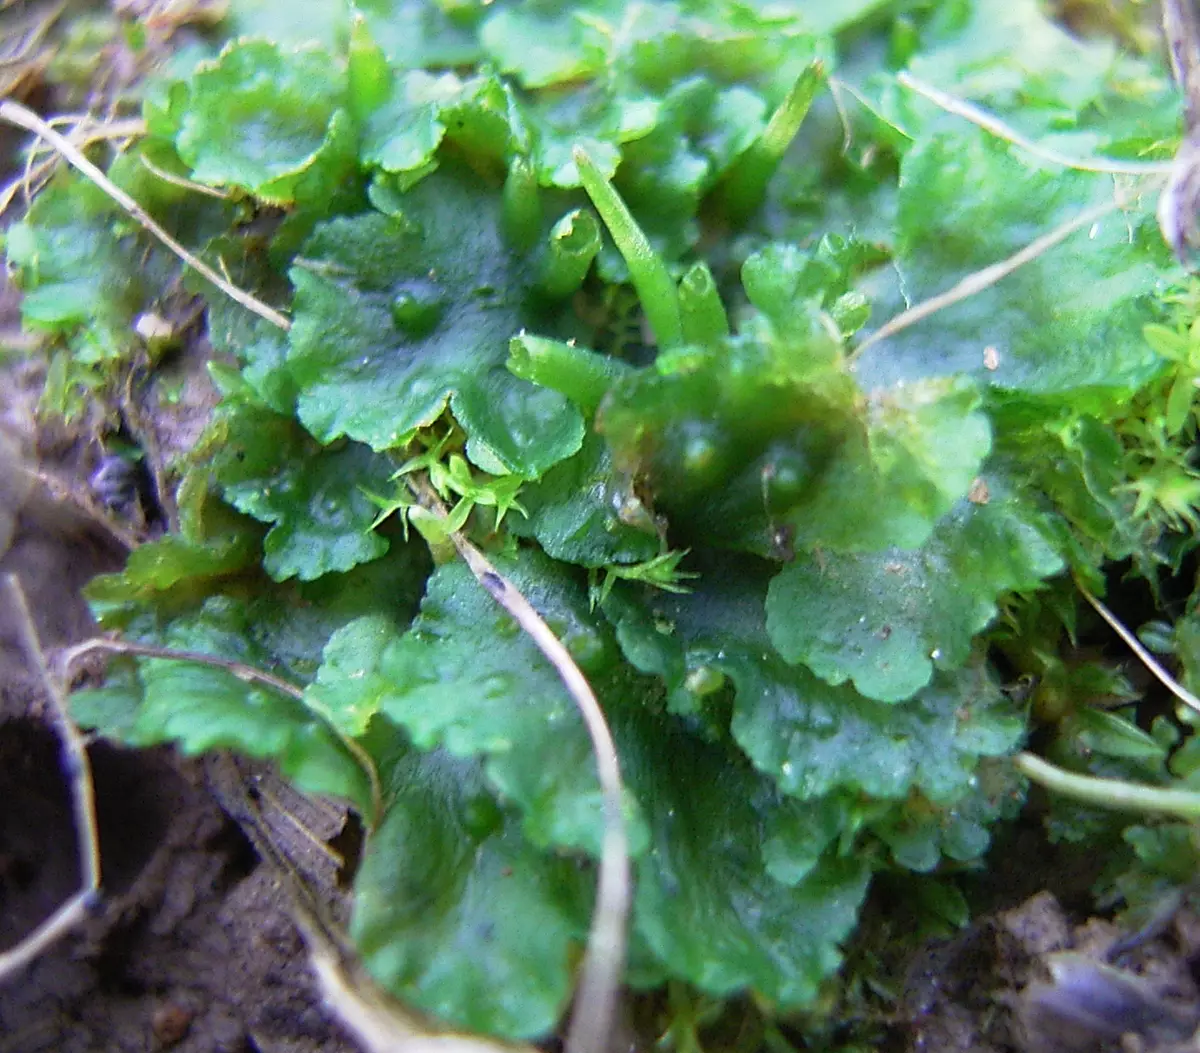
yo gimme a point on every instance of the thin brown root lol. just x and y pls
(590, 1026)
(992, 124)
(1146, 658)
(975, 283)
(78, 772)
(248, 675)
(22, 117)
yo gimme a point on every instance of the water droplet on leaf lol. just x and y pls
(416, 312)
(704, 680)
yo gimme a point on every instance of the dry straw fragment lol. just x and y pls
(975, 283)
(21, 117)
(78, 772)
(591, 1022)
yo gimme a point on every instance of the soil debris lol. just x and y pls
(1028, 981)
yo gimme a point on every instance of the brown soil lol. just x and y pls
(192, 947)
(1028, 980)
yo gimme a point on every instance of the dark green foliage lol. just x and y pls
(565, 263)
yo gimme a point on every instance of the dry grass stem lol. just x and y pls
(74, 746)
(1147, 659)
(249, 675)
(22, 117)
(590, 1026)
(70, 914)
(378, 1022)
(993, 125)
(180, 181)
(78, 771)
(975, 283)
(87, 131)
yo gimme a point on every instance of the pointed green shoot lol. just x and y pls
(746, 184)
(369, 75)
(521, 205)
(700, 309)
(647, 269)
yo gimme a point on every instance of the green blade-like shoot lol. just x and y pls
(370, 77)
(746, 184)
(521, 205)
(574, 243)
(647, 269)
(582, 375)
(700, 309)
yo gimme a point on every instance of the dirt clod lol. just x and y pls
(1028, 981)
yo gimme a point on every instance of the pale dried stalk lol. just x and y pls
(71, 913)
(380, 1024)
(21, 117)
(78, 772)
(591, 1022)
(182, 182)
(992, 124)
(1116, 793)
(1147, 659)
(248, 675)
(37, 173)
(975, 283)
